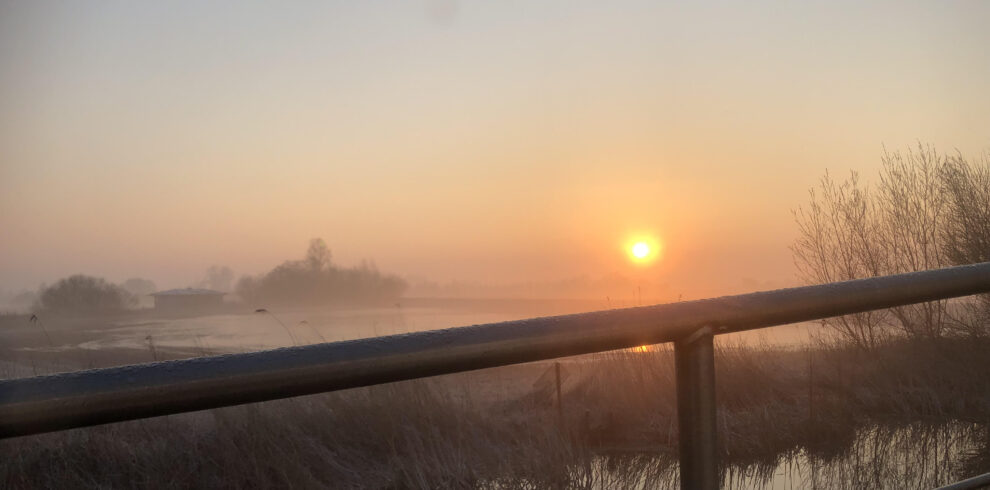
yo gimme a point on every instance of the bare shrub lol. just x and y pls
(837, 242)
(927, 211)
(966, 234)
(912, 211)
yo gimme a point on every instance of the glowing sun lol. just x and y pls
(643, 250)
(640, 250)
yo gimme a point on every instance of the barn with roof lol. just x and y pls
(188, 299)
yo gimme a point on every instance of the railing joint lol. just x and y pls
(697, 335)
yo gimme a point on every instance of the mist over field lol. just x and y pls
(505, 145)
(183, 180)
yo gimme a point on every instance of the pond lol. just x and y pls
(918, 455)
(280, 328)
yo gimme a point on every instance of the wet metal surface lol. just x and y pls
(47, 403)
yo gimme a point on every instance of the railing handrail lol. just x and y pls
(978, 481)
(62, 401)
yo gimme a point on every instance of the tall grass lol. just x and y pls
(487, 429)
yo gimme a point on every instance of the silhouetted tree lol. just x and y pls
(917, 217)
(138, 286)
(84, 294)
(318, 255)
(218, 278)
(966, 234)
(247, 289)
(315, 280)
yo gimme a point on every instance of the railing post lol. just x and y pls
(694, 358)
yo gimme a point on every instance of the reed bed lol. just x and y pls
(614, 427)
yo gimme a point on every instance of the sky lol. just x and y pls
(491, 142)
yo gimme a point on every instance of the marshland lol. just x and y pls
(190, 179)
(815, 411)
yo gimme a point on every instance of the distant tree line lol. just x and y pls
(217, 278)
(80, 294)
(928, 210)
(316, 280)
(313, 280)
(138, 286)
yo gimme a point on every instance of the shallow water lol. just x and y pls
(281, 328)
(916, 455)
(908, 456)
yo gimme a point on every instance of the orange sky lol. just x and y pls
(458, 140)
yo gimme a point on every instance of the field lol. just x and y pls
(790, 415)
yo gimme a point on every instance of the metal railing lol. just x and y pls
(979, 481)
(98, 396)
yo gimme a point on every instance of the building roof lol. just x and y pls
(188, 292)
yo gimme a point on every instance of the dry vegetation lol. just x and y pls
(900, 398)
(495, 429)
(926, 210)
